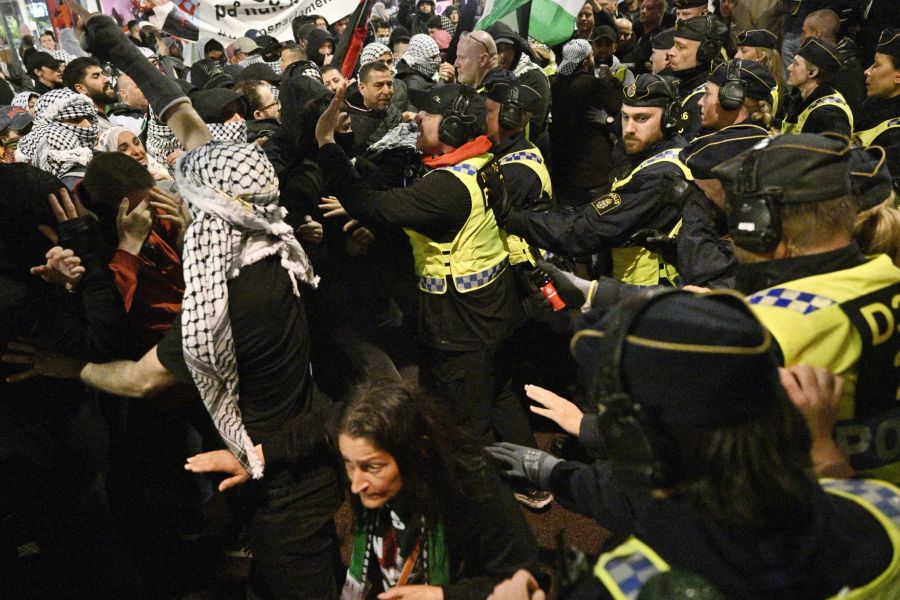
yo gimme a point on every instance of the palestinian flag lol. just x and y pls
(552, 21)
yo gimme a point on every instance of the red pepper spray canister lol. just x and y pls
(544, 282)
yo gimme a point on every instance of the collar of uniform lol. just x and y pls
(479, 145)
(690, 79)
(754, 277)
(513, 144)
(876, 110)
(798, 104)
(676, 141)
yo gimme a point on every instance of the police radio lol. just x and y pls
(511, 115)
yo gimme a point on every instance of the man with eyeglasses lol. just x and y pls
(264, 112)
(475, 56)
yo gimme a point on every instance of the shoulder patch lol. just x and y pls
(606, 203)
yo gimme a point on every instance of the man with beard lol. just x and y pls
(698, 41)
(605, 42)
(644, 197)
(85, 76)
(879, 123)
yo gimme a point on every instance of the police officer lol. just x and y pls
(698, 41)
(761, 45)
(509, 104)
(469, 302)
(639, 199)
(698, 426)
(734, 106)
(791, 217)
(815, 106)
(879, 122)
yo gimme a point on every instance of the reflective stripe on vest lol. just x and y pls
(697, 90)
(776, 97)
(637, 265)
(626, 568)
(476, 256)
(846, 321)
(869, 135)
(835, 99)
(521, 251)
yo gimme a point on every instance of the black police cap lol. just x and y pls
(651, 90)
(708, 151)
(663, 40)
(889, 43)
(822, 54)
(757, 38)
(693, 361)
(700, 29)
(869, 176)
(440, 99)
(792, 168)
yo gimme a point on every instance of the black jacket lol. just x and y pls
(436, 206)
(412, 78)
(607, 222)
(370, 124)
(874, 112)
(690, 80)
(825, 119)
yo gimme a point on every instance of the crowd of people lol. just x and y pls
(240, 278)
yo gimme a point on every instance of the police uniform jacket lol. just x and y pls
(840, 542)
(840, 310)
(608, 221)
(825, 119)
(436, 206)
(690, 90)
(883, 114)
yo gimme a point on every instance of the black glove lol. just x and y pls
(572, 289)
(656, 241)
(523, 462)
(104, 39)
(490, 178)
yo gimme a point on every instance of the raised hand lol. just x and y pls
(331, 120)
(133, 227)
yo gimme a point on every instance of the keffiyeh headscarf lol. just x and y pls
(423, 55)
(371, 53)
(22, 98)
(232, 192)
(53, 145)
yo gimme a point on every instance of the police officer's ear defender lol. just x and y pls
(456, 127)
(734, 90)
(511, 115)
(671, 118)
(754, 219)
(629, 438)
(710, 46)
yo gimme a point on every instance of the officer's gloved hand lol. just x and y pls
(573, 290)
(523, 462)
(491, 181)
(656, 241)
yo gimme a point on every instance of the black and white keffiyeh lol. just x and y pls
(22, 99)
(371, 52)
(232, 192)
(423, 55)
(54, 145)
(233, 131)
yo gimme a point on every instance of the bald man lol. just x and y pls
(475, 56)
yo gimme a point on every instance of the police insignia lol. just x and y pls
(630, 90)
(606, 203)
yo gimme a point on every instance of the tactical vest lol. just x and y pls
(847, 321)
(833, 99)
(476, 256)
(865, 138)
(626, 568)
(637, 265)
(519, 250)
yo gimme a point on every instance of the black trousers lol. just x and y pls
(476, 387)
(292, 535)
